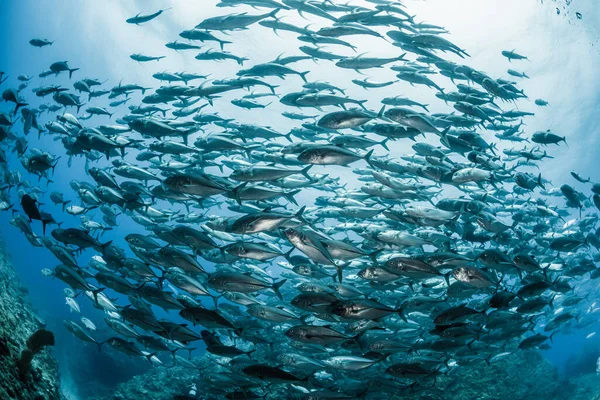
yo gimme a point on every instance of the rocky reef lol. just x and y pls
(584, 387)
(27, 370)
(525, 375)
(160, 383)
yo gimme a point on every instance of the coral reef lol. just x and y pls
(23, 376)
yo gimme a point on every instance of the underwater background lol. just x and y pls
(560, 39)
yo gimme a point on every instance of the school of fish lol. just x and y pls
(321, 260)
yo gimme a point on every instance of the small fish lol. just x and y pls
(88, 324)
(143, 58)
(141, 19)
(73, 305)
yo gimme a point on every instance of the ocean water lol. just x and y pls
(559, 38)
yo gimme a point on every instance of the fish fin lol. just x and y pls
(367, 158)
(290, 196)
(223, 43)
(71, 72)
(276, 286)
(305, 172)
(383, 143)
(303, 75)
(149, 357)
(95, 294)
(273, 14)
(235, 192)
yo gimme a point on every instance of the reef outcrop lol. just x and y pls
(27, 369)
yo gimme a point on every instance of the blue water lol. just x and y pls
(92, 36)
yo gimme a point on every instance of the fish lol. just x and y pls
(236, 282)
(36, 42)
(233, 21)
(202, 36)
(512, 55)
(143, 58)
(62, 66)
(141, 19)
(207, 318)
(12, 96)
(312, 334)
(80, 333)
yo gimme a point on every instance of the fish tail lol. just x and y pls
(273, 14)
(149, 357)
(383, 143)
(276, 286)
(216, 300)
(305, 173)
(539, 181)
(95, 294)
(223, 43)
(236, 192)
(340, 269)
(19, 105)
(373, 255)
(55, 163)
(360, 335)
(287, 254)
(299, 215)
(89, 209)
(290, 196)
(367, 158)
(159, 280)
(71, 72)
(401, 314)
(447, 278)
(303, 75)
(174, 351)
